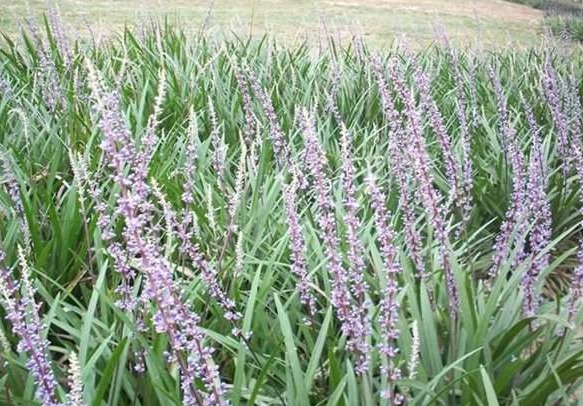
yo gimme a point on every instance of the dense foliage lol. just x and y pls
(570, 28)
(192, 220)
(562, 18)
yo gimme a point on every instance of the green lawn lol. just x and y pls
(494, 22)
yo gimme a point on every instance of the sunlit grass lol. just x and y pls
(496, 23)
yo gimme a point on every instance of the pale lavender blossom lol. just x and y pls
(12, 188)
(46, 76)
(577, 114)
(473, 93)
(351, 218)
(355, 255)
(219, 148)
(540, 214)
(5, 87)
(144, 154)
(119, 151)
(190, 164)
(359, 49)
(389, 305)
(398, 161)
(335, 78)
(249, 129)
(465, 142)
(441, 36)
(17, 298)
(420, 163)
(121, 264)
(171, 315)
(342, 301)
(297, 247)
(208, 271)
(576, 108)
(514, 225)
(207, 17)
(576, 288)
(452, 166)
(506, 131)
(552, 92)
(59, 33)
(173, 318)
(280, 145)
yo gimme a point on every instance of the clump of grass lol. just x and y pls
(554, 7)
(212, 220)
(570, 28)
(563, 18)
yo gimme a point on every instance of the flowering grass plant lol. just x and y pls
(190, 220)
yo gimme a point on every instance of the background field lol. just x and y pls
(494, 22)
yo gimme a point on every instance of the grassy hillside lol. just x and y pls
(494, 22)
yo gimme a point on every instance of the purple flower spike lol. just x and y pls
(576, 288)
(420, 162)
(17, 298)
(461, 105)
(355, 255)
(13, 191)
(540, 213)
(248, 133)
(280, 146)
(389, 306)
(452, 166)
(219, 147)
(473, 95)
(171, 314)
(513, 228)
(351, 323)
(298, 247)
(398, 160)
(552, 93)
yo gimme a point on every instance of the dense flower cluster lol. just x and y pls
(389, 306)
(552, 92)
(398, 160)
(17, 298)
(298, 247)
(342, 298)
(513, 228)
(280, 146)
(171, 315)
(383, 269)
(465, 201)
(250, 121)
(540, 213)
(420, 163)
(452, 166)
(355, 254)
